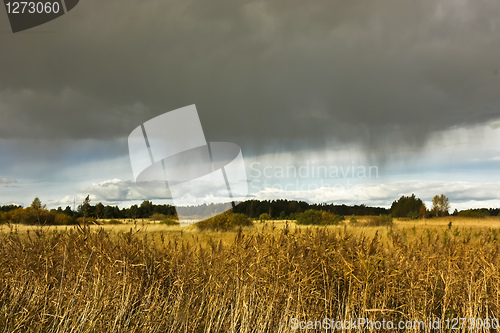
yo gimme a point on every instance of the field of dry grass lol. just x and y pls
(154, 278)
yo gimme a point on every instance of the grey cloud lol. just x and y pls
(63, 114)
(385, 194)
(63, 159)
(462, 195)
(112, 190)
(269, 76)
(120, 191)
(116, 190)
(7, 181)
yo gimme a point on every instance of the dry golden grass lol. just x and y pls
(156, 278)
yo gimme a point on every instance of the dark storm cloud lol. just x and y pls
(270, 76)
(60, 159)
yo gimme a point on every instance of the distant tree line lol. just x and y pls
(478, 213)
(276, 209)
(413, 207)
(38, 214)
(288, 209)
(34, 214)
(8, 208)
(405, 207)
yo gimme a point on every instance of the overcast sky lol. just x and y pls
(410, 87)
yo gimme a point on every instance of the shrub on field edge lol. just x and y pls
(32, 216)
(264, 217)
(63, 219)
(474, 213)
(158, 217)
(316, 217)
(225, 221)
(169, 221)
(381, 220)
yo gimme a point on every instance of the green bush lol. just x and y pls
(168, 221)
(21, 216)
(328, 218)
(32, 216)
(316, 217)
(225, 221)
(158, 217)
(309, 217)
(6, 217)
(474, 213)
(381, 220)
(63, 219)
(264, 217)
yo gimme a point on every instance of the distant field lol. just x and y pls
(149, 277)
(141, 226)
